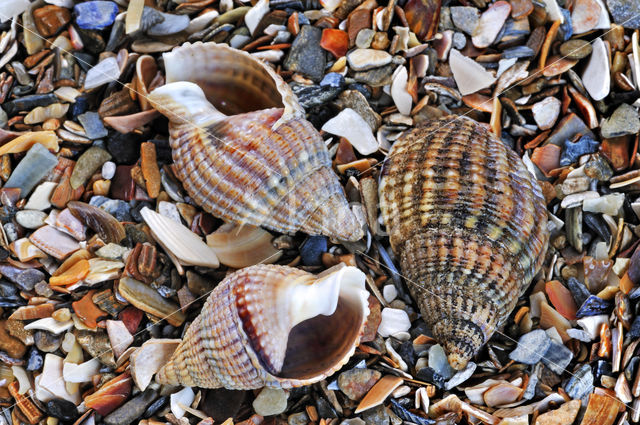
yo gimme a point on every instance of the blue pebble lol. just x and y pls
(95, 15)
(573, 151)
(566, 29)
(332, 79)
(634, 332)
(312, 249)
(594, 306)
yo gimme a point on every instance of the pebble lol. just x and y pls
(358, 102)
(531, 347)
(365, 59)
(302, 418)
(623, 121)
(13, 8)
(470, 76)
(576, 49)
(598, 168)
(36, 164)
(312, 249)
(270, 401)
(596, 76)
(350, 125)
(133, 409)
(148, 299)
(171, 24)
(608, 204)
(573, 151)
(62, 409)
(31, 219)
(625, 12)
(393, 321)
(185, 397)
(306, 56)
(355, 383)
(399, 94)
(389, 292)
(461, 376)
(108, 170)
(95, 15)
(546, 112)
(87, 164)
(557, 357)
(104, 72)
(364, 38)
(439, 363)
(490, 24)
(580, 383)
(51, 19)
(465, 18)
(92, 125)
(565, 414)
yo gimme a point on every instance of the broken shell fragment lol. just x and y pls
(263, 163)
(243, 246)
(262, 326)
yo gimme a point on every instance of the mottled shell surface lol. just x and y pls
(468, 223)
(244, 151)
(247, 335)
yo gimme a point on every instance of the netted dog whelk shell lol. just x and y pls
(242, 147)
(269, 325)
(469, 225)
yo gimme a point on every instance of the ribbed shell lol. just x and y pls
(468, 223)
(266, 167)
(242, 340)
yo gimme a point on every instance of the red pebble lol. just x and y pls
(335, 41)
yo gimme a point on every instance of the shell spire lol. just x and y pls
(469, 224)
(251, 157)
(272, 325)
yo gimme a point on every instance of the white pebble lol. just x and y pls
(108, 170)
(607, 204)
(350, 125)
(104, 72)
(393, 321)
(399, 93)
(470, 76)
(270, 401)
(389, 292)
(185, 397)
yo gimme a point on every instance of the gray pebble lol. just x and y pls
(531, 347)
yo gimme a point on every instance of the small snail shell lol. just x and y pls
(242, 147)
(469, 224)
(269, 325)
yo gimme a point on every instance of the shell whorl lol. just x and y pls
(271, 325)
(468, 223)
(245, 158)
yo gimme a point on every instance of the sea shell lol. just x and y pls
(269, 325)
(263, 163)
(468, 223)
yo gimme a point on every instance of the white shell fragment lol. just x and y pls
(470, 76)
(149, 358)
(184, 397)
(596, 76)
(23, 379)
(50, 324)
(350, 125)
(50, 383)
(82, 372)
(181, 242)
(119, 336)
(546, 112)
(399, 93)
(393, 321)
(255, 15)
(104, 72)
(607, 204)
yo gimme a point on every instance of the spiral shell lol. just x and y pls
(249, 156)
(469, 225)
(269, 325)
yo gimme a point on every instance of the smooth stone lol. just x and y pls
(149, 300)
(302, 418)
(270, 401)
(625, 12)
(623, 121)
(389, 293)
(31, 219)
(13, 8)
(364, 38)
(459, 40)
(573, 151)
(490, 24)
(579, 291)
(365, 59)
(354, 128)
(358, 102)
(305, 55)
(92, 125)
(461, 376)
(221, 403)
(593, 306)
(393, 321)
(171, 24)
(108, 170)
(439, 363)
(47, 342)
(596, 78)
(565, 414)
(132, 409)
(378, 415)
(634, 332)
(545, 112)
(104, 72)
(465, 18)
(580, 383)
(88, 163)
(355, 383)
(557, 357)
(62, 409)
(39, 200)
(35, 165)
(376, 77)
(95, 15)
(518, 52)
(27, 103)
(312, 249)
(35, 361)
(469, 75)
(579, 334)
(576, 49)
(313, 95)
(332, 79)
(531, 347)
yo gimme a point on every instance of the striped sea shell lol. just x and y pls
(242, 147)
(469, 225)
(269, 325)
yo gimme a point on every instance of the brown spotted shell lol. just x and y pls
(242, 147)
(269, 325)
(468, 223)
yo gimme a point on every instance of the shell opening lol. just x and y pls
(329, 316)
(233, 81)
(184, 101)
